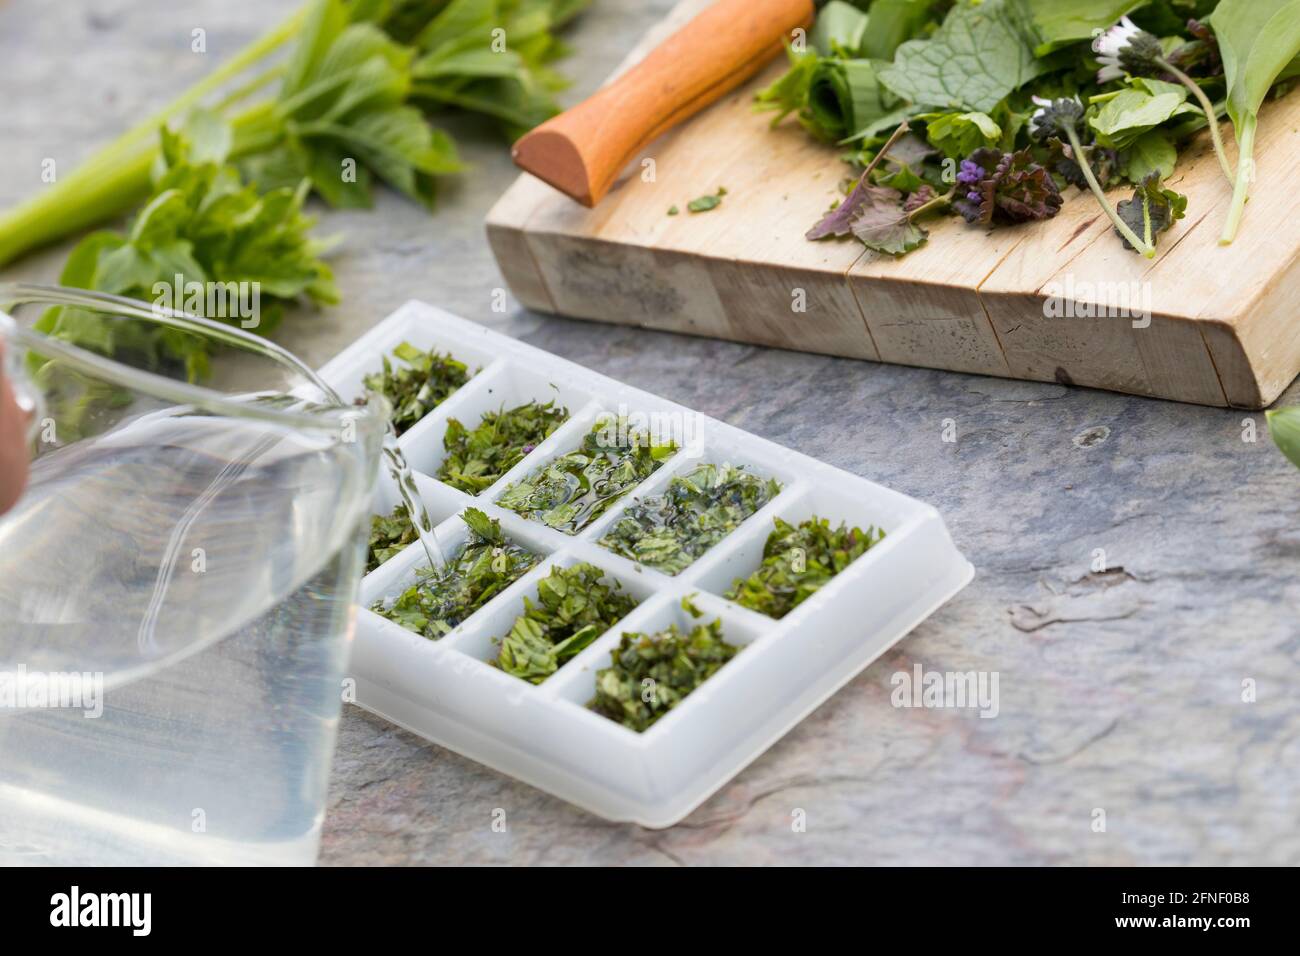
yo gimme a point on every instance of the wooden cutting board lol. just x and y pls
(1024, 302)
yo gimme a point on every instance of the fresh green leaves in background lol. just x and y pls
(350, 106)
(419, 384)
(574, 606)
(669, 531)
(341, 117)
(443, 597)
(203, 223)
(1021, 77)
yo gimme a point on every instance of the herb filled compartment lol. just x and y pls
(455, 454)
(671, 653)
(802, 547)
(670, 530)
(565, 605)
(482, 564)
(545, 733)
(416, 381)
(578, 486)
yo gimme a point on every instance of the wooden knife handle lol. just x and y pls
(582, 151)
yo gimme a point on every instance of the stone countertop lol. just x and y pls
(1121, 690)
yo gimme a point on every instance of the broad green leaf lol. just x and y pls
(1284, 426)
(974, 60)
(1152, 152)
(1053, 24)
(839, 30)
(1126, 116)
(957, 135)
(893, 22)
(209, 137)
(1258, 40)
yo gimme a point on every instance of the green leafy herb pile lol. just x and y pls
(349, 106)
(444, 597)
(668, 532)
(204, 223)
(996, 107)
(389, 534)
(476, 459)
(575, 489)
(798, 561)
(419, 385)
(650, 674)
(575, 606)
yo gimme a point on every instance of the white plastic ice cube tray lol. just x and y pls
(543, 734)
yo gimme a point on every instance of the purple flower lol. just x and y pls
(970, 173)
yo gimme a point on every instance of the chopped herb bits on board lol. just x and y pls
(669, 531)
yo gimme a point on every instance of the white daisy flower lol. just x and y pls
(1109, 47)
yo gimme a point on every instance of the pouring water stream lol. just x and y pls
(398, 467)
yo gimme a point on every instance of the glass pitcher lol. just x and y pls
(176, 588)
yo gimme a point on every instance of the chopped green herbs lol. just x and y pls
(797, 561)
(673, 210)
(476, 459)
(420, 384)
(575, 606)
(650, 674)
(575, 489)
(443, 597)
(668, 532)
(705, 203)
(389, 534)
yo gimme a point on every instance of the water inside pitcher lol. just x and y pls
(176, 588)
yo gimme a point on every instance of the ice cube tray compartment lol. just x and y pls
(447, 692)
(483, 642)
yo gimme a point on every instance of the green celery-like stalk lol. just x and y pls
(1245, 173)
(116, 177)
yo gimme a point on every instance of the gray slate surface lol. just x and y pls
(1120, 690)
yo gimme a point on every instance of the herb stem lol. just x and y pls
(938, 202)
(898, 134)
(1245, 173)
(1211, 115)
(1145, 248)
